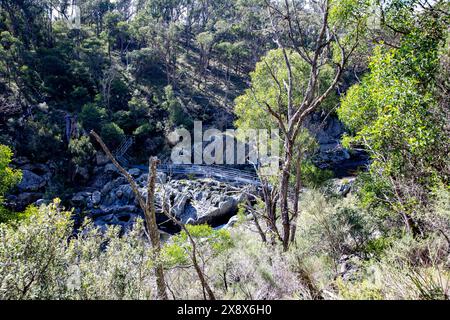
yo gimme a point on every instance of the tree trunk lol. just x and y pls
(298, 186)
(148, 207)
(152, 227)
(284, 193)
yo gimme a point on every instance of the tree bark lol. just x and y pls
(298, 186)
(148, 207)
(284, 193)
(152, 227)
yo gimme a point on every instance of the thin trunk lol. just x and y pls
(284, 189)
(298, 186)
(149, 211)
(152, 227)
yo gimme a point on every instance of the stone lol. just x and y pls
(161, 178)
(38, 168)
(179, 204)
(31, 181)
(96, 197)
(20, 161)
(125, 191)
(231, 222)
(27, 198)
(83, 173)
(134, 172)
(111, 168)
(40, 202)
(101, 159)
(78, 200)
(226, 206)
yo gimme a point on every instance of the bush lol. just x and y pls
(92, 117)
(8, 178)
(112, 134)
(314, 177)
(412, 269)
(81, 150)
(331, 227)
(59, 266)
(177, 114)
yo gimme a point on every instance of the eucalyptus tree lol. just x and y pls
(320, 36)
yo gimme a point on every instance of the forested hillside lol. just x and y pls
(92, 208)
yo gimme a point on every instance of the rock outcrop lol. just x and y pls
(191, 201)
(328, 131)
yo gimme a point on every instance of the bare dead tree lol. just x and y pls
(148, 206)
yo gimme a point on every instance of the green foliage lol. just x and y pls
(364, 290)
(81, 150)
(332, 227)
(177, 113)
(312, 176)
(397, 115)
(250, 107)
(209, 242)
(46, 262)
(119, 95)
(92, 116)
(8, 176)
(112, 134)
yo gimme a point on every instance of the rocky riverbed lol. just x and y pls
(191, 201)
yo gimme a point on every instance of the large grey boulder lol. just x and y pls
(31, 181)
(96, 197)
(227, 206)
(179, 204)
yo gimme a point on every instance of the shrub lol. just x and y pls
(81, 150)
(331, 227)
(45, 261)
(92, 116)
(177, 114)
(8, 178)
(112, 134)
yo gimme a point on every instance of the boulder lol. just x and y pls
(20, 161)
(227, 206)
(81, 174)
(40, 202)
(31, 181)
(26, 198)
(96, 197)
(231, 222)
(179, 204)
(78, 200)
(110, 168)
(134, 172)
(38, 168)
(161, 178)
(101, 159)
